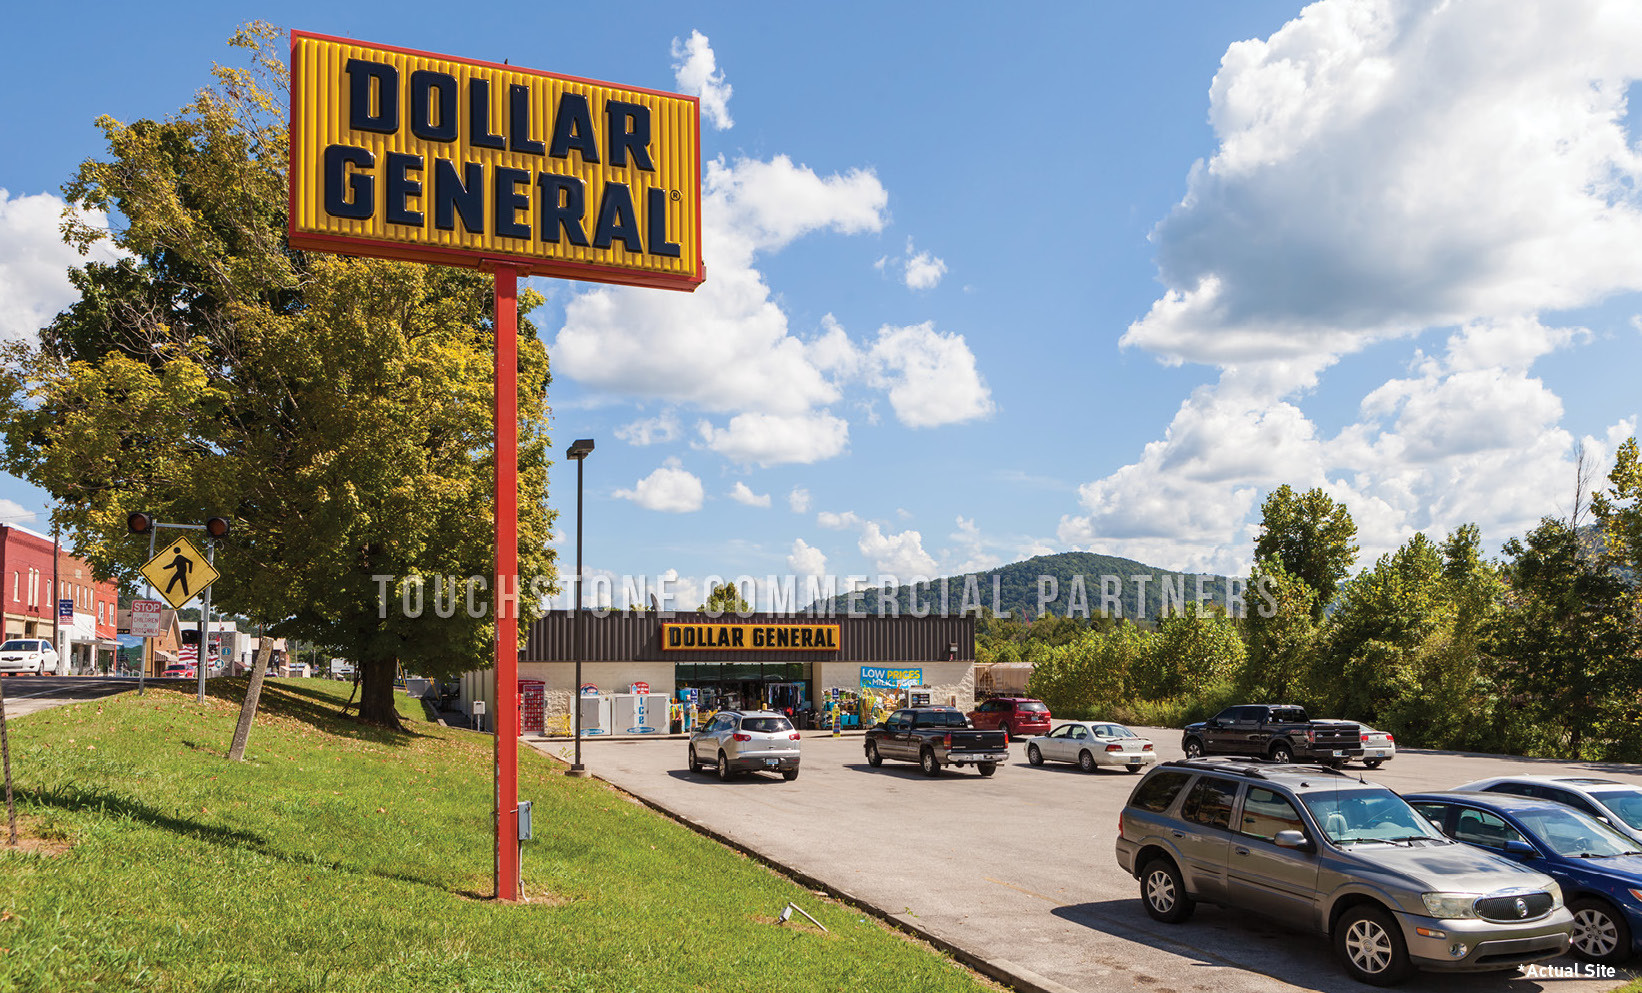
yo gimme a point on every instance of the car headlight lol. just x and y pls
(1555, 889)
(1452, 906)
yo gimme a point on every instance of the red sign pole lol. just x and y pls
(507, 581)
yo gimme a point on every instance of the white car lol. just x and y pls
(1092, 744)
(28, 655)
(1378, 746)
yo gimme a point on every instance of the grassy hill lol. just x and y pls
(1017, 588)
(341, 858)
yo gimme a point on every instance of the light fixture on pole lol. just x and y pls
(579, 450)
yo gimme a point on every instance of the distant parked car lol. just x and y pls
(1379, 747)
(179, 672)
(1600, 869)
(1092, 744)
(1616, 804)
(746, 741)
(1013, 715)
(33, 655)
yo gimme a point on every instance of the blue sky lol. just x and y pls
(987, 284)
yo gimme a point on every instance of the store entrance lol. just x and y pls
(784, 687)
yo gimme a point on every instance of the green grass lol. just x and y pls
(341, 858)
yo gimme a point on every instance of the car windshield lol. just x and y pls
(1352, 816)
(18, 646)
(1031, 708)
(1626, 804)
(1574, 834)
(765, 725)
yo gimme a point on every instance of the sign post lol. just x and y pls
(404, 154)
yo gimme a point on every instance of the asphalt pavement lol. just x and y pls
(1018, 870)
(27, 694)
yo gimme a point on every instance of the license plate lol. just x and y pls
(772, 761)
(1339, 754)
(1135, 760)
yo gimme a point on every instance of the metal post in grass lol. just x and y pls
(5, 760)
(579, 450)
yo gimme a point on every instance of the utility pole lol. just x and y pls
(56, 599)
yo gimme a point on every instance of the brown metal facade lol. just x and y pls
(636, 636)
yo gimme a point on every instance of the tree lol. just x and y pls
(1312, 536)
(725, 598)
(1619, 511)
(1566, 643)
(337, 409)
(1281, 635)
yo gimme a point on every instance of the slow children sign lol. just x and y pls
(403, 154)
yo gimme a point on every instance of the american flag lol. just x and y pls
(188, 654)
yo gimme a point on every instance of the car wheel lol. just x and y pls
(928, 762)
(1004, 727)
(1371, 945)
(1033, 755)
(1164, 892)
(1282, 753)
(1600, 933)
(724, 772)
(1372, 763)
(873, 758)
(1194, 748)
(695, 766)
(1086, 762)
(986, 768)
(789, 774)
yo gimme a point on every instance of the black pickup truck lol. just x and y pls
(934, 737)
(1282, 733)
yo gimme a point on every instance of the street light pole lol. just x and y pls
(579, 450)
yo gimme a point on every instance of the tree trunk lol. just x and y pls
(376, 692)
(253, 695)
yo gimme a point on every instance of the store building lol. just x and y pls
(856, 667)
(25, 567)
(91, 640)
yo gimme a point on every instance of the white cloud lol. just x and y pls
(727, 346)
(742, 493)
(838, 522)
(683, 592)
(924, 271)
(34, 262)
(1388, 166)
(895, 554)
(799, 500)
(670, 488)
(805, 560)
(775, 439)
(930, 376)
(695, 71)
(662, 428)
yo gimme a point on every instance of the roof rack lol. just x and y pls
(1252, 767)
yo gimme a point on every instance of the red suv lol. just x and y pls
(1013, 715)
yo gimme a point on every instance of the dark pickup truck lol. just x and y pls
(1282, 733)
(934, 737)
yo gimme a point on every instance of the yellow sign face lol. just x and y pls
(179, 573)
(749, 637)
(408, 155)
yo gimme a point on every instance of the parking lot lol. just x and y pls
(1019, 869)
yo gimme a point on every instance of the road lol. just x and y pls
(27, 694)
(1019, 868)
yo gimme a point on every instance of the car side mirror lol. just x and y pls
(1519, 849)
(1294, 839)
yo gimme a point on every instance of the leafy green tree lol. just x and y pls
(1197, 648)
(1619, 511)
(1312, 536)
(725, 598)
(1281, 635)
(1566, 644)
(337, 410)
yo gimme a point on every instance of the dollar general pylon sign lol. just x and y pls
(408, 155)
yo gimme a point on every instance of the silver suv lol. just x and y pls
(744, 741)
(1328, 853)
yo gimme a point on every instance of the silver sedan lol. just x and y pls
(1092, 744)
(1378, 746)
(746, 741)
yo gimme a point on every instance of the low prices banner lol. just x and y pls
(891, 679)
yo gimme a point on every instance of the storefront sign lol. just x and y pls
(891, 678)
(750, 637)
(409, 155)
(639, 688)
(588, 689)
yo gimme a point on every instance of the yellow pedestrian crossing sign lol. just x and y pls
(179, 573)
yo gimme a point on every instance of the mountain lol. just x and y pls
(1078, 583)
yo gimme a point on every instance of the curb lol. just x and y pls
(1008, 973)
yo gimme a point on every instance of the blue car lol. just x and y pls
(1599, 869)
